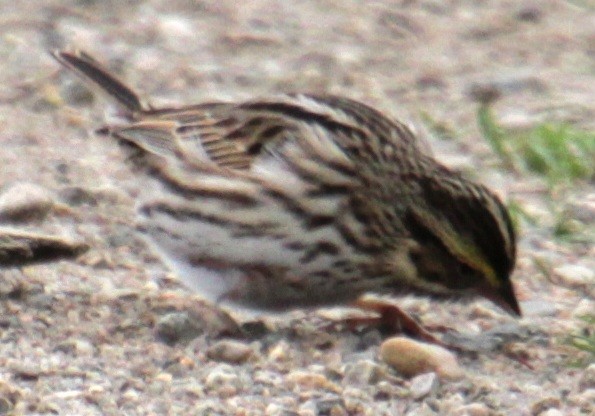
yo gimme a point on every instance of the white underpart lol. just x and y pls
(211, 284)
(201, 239)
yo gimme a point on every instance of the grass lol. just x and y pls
(584, 342)
(439, 128)
(558, 152)
(561, 154)
(585, 4)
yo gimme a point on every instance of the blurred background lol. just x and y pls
(503, 90)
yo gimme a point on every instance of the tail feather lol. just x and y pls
(91, 70)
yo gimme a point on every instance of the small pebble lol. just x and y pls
(95, 389)
(254, 329)
(308, 380)
(411, 358)
(209, 406)
(529, 13)
(164, 378)
(40, 301)
(76, 195)
(12, 283)
(574, 274)
(472, 409)
(583, 210)
(230, 351)
(363, 372)
(27, 372)
(24, 202)
(585, 400)
(308, 408)
(46, 406)
(274, 409)
(551, 412)
(423, 385)
(223, 380)
(488, 90)
(131, 396)
(176, 26)
(538, 307)
(332, 406)
(177, 327)
(77, 347)
(10, 395)
(5, 406)
(423, 410)
(280, 352)
(539, 407)
(583, 308)
(179, 367)
(587, 380)
(75, 93)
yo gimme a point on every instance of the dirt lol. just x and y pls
(112, 332)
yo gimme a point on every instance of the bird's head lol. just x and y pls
(465, 241)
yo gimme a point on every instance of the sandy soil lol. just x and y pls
(113, 333)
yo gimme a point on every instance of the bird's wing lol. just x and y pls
(236, 136)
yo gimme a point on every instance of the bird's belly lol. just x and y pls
(247, 285)
(260, 255)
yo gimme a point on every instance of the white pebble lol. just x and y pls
(551, 412)
(587, 380)
(583, 308)
(25, 201)
(274, 409)
(280, 352)
(423, 385)
(176, 26)
(538, 307)
(575, 274)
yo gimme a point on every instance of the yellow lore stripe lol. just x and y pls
(465, 251)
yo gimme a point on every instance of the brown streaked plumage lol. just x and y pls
(304, 200)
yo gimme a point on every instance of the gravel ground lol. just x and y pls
(113, 333)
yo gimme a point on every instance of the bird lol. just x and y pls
(305, 200)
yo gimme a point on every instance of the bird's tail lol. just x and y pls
(93, 72)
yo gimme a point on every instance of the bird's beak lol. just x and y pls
(503, 296)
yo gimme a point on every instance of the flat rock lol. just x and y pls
(19, 248)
